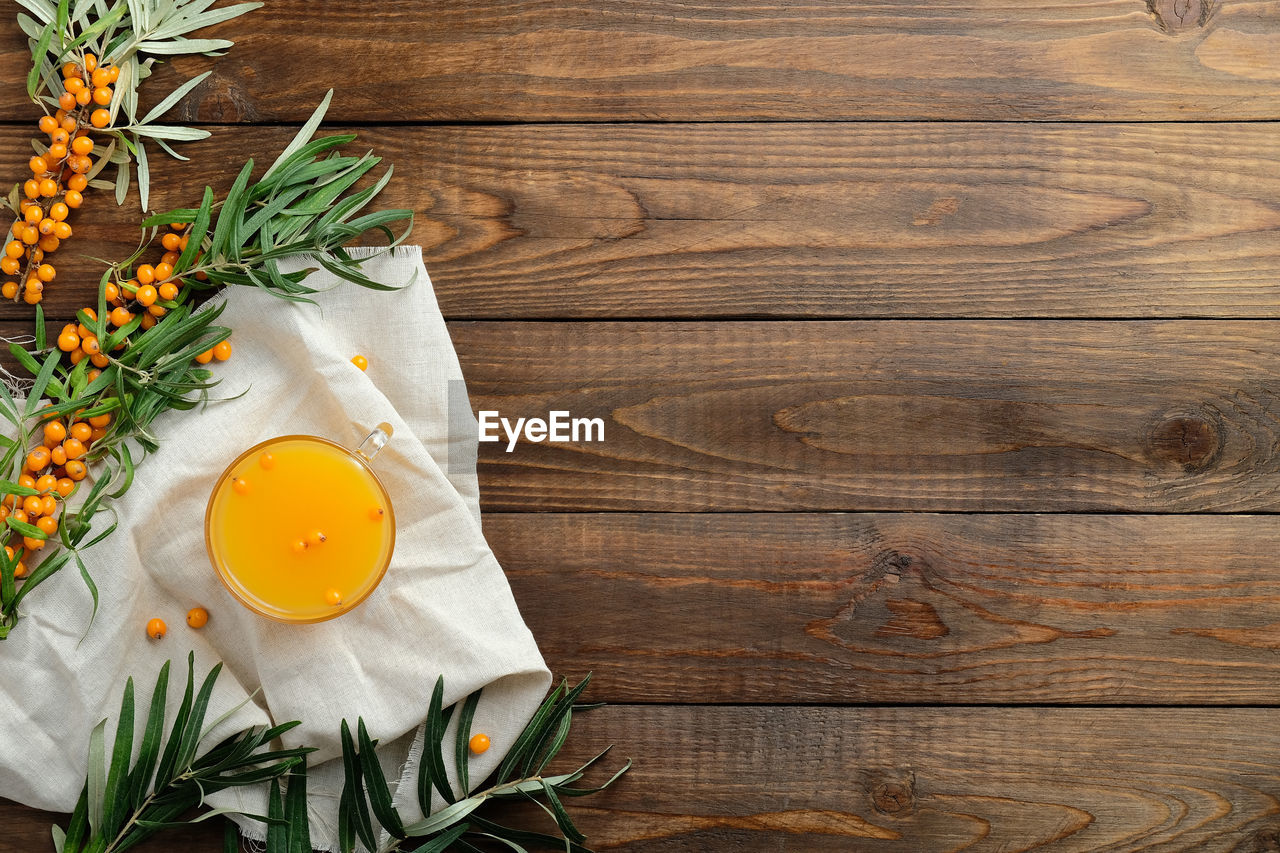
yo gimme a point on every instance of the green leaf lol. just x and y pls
(38, 53)
(42, 382)
(172, 99)
(462, 744)
(354, 783)
(97, 776)
(563, 821)
(26, 529)
(115, 808)
(153, 733)
(169, 757)
(376, 782)
(304, 134)
(59, 839)
(144, 173)
(445, 817)
(92, 587)
(40, 328)
(442, 841)
(432, 765)
(195, 237)
(295, 810)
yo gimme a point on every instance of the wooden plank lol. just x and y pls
(1059, 416)
(908, 780)
(533, 60)
(810, 220)
(916, 608)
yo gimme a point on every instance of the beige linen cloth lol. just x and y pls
(444, 606)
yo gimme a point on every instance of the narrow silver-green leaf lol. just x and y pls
(304, 134)
(172, 99)
(97, 775)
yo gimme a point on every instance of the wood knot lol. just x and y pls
(1180, 16)
(1191, 441)
(894, 799)
(1266, 840)
(890, 565)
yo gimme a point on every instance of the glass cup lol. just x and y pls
(299, 528)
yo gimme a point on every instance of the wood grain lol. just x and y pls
(609, 60)
(902, 608)
(910, 780)
(810, 220)
(1058, 416)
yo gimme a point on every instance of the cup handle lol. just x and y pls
(375, 441)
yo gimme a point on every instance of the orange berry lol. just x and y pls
(479, 743)
(148, 321)
(102, 96)
(46, 226)
(54, 432)
(31, 544)
(48, 124)
(74, 447)
(360, 362)
(20, 514)
(377, 514)
(14, 249)
(30, 235)
(46, 523)
(57, 151)
(58, 455)
(120, 316)
(32, 297)
(93, 374)
(74, 85)
(89, 345)
(50, 243)
(65, 486)
(197, 617)
(222, 351)
(59, 211)
(79, 165)
(100, 118)
(333, 596)
(20, 570)
(115, 73)
(146, 294)
(76, 469)
(46, 272)
(68, 340)
(80, 430)
(82, 145)
(170, 257)
(48, 188)
(67, 101)
(170, 242)
(111, 292)
(47, 483)
(9, 290)
(90, 62)
(36, 254)
(240, 486)
(78, 183)
(39, 165)
(205, 357)
(33, 215)
(38, 459)
(266, 461)
(31, 188)
(163, 271)
(157, 310)
(32, 506)
(62, 230)
(145, 274)
(73, 198)
(84, 96)
(101, 77)
(71, 70)
(156, 629)
(69, 124)
(77, 356)
(168, 291)
(10, 265)
(99, 360)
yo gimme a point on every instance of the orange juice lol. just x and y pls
(300, 529)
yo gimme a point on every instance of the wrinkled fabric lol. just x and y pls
(443, 608)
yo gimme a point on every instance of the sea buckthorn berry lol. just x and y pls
(168, 291)
(20, 514)
(59, 211)
(120, 316)
(47, 524)
(9, 290)
(148, 321)
(74, 85)
(360, 362)
(170, 258)
(32, 506)
(267, 461)
(55, 431)
(222, 351)
(46, 272)
(145, 274)
(60, 137)
(164, 270)
(49, 243)
(57, 151)
(101, 420)
(100, 118)
(299, 546)
(74, 447)
(479, 743)
(157, 310)
(39, 165)
(80, 430)
(68, 340)
(93, 374)
(197, 617)
(89, 345)
(377, 514)
(71, 70)
(115, 73)
(31, 188)
(30, 235)
(69, 124)
(46, 226)
(48, 124)
(146, 294)
(65, 486)
(79, 165)
(90, 62)
(316, 537)
(38, 459)
(62, 230)
(101, 77)
(333, 596)
(78, 183)
(14, 249)
(170, 242)
(48, 188)
(47, 483)
(73, 198)
(84, 96)
(30, 543)
(240, 486)
(58, 455)
(10, 265)
(82, 145)
(34, 285)
(99, 360)
(77, 356)
(156, 629)
(35, 254)
(111, 292)
(67, 101)
(33, 215)
(20, 570)
(76, 469)
(32, 297)
(102, 96)
(205, 357)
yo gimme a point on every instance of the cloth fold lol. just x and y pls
(443, 608)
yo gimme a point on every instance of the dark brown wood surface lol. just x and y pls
(936, 346)
(645, 60)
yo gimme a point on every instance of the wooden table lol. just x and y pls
(937, 351)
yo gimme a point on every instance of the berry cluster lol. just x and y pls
(59, 177)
